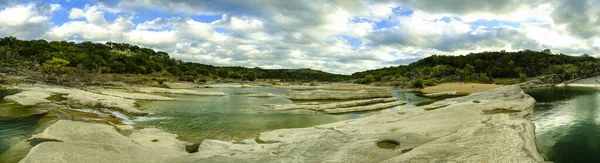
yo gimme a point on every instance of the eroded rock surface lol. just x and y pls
(177, 91)
(331, 106)
(464, 129)
(69, 141)
(30, 97)
(346, 95)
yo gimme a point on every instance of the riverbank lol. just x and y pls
(491, 129)
(459, 88)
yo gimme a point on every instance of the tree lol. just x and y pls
(56, 68)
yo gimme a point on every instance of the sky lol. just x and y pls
(338, 36)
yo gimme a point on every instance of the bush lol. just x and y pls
(429, 82)
(418, 83)
(522, 77)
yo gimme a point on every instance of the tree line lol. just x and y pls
(483, 67)
(122, 58)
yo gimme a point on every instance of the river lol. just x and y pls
(567, 123)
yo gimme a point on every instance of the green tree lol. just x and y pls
(56, 68)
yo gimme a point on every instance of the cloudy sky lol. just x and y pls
(339, 36)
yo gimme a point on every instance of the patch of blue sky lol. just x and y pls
(402, 11)
(354, 42)
(223, 31)
(494, 23)
(206, 18)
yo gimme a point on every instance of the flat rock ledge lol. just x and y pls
(176, 91)
(96, 98)
(482, 127)
(441, 94)
(343, 107)
(346, 95)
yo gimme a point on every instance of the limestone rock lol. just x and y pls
(347, 95)
(440, 94)
(70, 141)
(320, 107)
(365, 108)
(97, 100)
(493, 129)
(177, 91)
(30, 97)
(133, 96)
(459, 131)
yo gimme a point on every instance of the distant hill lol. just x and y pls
(122, 58)
(483, 67)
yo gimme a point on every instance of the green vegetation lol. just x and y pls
(94, 62)
(484, 68)
(62, 57)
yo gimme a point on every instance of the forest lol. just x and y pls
(484, 67)
(62, 57)
(122, 58)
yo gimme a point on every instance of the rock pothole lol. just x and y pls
(388, 144)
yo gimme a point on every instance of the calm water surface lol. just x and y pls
(567, 123)
(238, 117)
(15, 124)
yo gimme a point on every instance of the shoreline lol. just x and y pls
(286, 136)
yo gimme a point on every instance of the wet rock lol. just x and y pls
(177, 91)
(365, 108)
(347, 95)
(320, 107)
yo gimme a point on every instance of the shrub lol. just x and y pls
(418, 83)
(429, 82)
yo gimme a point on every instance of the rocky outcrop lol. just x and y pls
(84, 98)
(441, 94)
(347, 95)
(30, 97)
(133, 96)
(176, 91)
(38, 94)
(69, 141)
(365, 108)
(481, 127)
(321, 107)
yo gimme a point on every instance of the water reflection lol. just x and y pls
(567, 123)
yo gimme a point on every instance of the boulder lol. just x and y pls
(346, 95)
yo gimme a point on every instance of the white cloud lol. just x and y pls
(297, 34)
(21, 15)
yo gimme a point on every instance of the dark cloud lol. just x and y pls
(580, 16)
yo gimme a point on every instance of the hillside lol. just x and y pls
(484, 67)
(121, 58)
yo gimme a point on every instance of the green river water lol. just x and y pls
(567, 123)
(195, 118)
